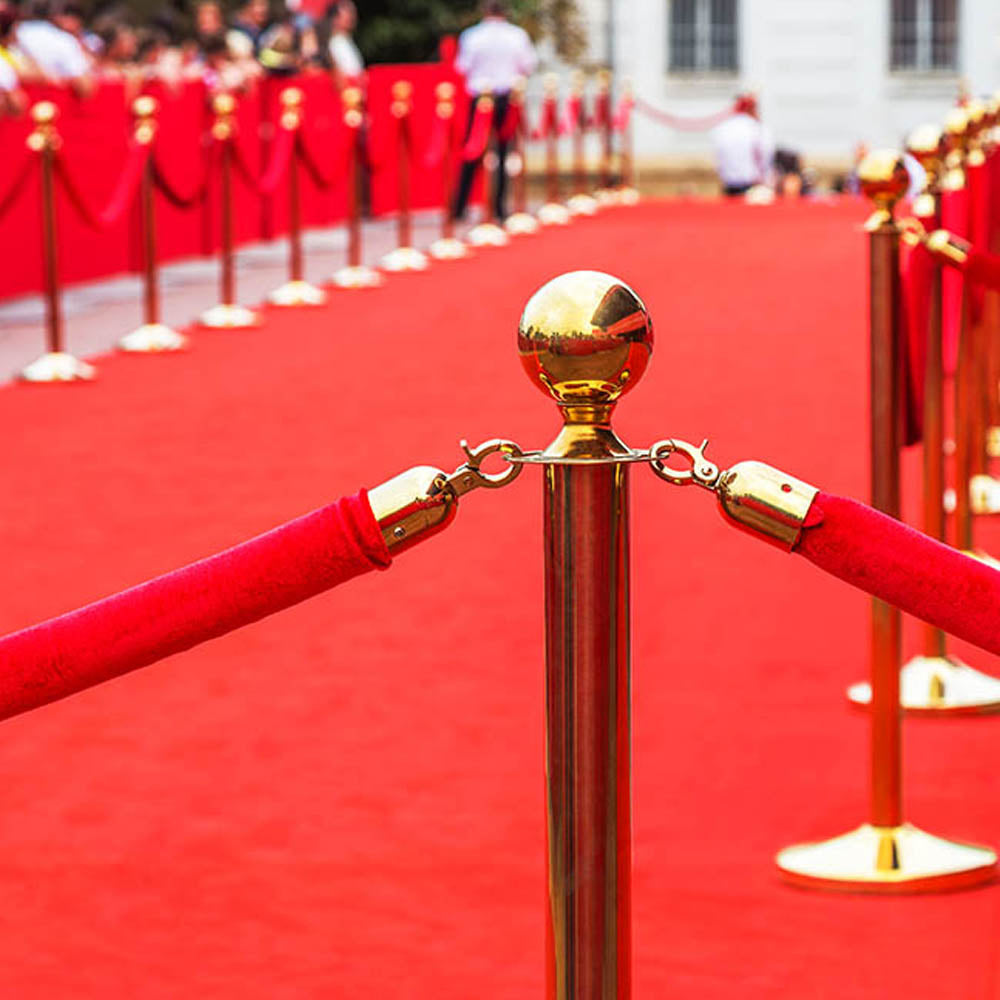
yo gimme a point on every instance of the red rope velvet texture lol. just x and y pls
(189, 606)
(904, 567)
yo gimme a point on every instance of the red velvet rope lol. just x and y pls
(171, 192)
(17, 185)
(903, 567)
(602, 111)
(310, 161)
(680, 123)
(281, 155)
(121, 197)
(573, 119)
(437, 144)
(479, 134)
(979, 267)
(179, 610)
(549, 122)
(623, 115)
(511, 122)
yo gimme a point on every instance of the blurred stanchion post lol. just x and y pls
(405, 257)
(56, 364)
(885, 854)
(628, 193)
(992, 297)
(152, 336)
(604, 123)
(296, 291)
(447, 247)
(227, 315)
(580, 202)
(553, 212)
(488, 233)
(521, 221)
(355, 274)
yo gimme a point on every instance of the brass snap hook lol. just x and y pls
(469, 476)
(702, 471)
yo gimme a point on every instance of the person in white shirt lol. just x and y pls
(345, 56)
(744, 149)
(493, 56)
(58, 54)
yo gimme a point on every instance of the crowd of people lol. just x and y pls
(51, 41)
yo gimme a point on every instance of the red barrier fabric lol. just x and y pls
(982, 269)
(548, 123)
(954, 218)
(96, 133)
(623, 114)
(573, 118)
(182, 609)
(122, 196)
(679, 122)
(892, 561)
(917, 266)
(479, 133)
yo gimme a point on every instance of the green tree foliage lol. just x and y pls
(409, 30)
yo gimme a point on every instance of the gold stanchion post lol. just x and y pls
(405, 257)
(56, 364)
(935, 682)
(153, 336)
(606, 193)
(356, 274)
(296, 291)
(553, 212)
(585, 338)
(447, 247)
(521, 221)
(227, 315)
(580, 203)
(885, 854)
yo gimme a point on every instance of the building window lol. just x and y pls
(703, 36)
(924, 35)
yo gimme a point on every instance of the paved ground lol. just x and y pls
(98, 313)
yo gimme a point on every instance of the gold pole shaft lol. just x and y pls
(964, 393)
(552, 166)
(886, 749)
(53, 301)
(588, 731)
(228, 276)
(447, 223)
(354, 202)
(151, 291)
(521, 180)
(296, 269)
(405, 237)
(579, 176)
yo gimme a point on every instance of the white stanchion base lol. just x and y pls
(448, 248)
(58, 366)
(487, 234)
(582, 204)
(520, 223)
(357, 277)
(608, 196)
(229, 317)
(939, 685)
(984, 495)
(405, 259)
(297, 293)
(553, 214)
(628, 196)
(152, 338)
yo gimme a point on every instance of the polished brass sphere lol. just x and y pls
(351, 96)
(144, 106)
(444, 91)
(223, 104)
(401, 90)
(956, 121)
(883, 176)
(975, 110)
(585, 338)
(44, 113)
(926, 144)
(292, 97)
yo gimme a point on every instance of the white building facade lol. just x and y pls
(827, 73)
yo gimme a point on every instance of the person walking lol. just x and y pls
(744, 149)
(493, 56)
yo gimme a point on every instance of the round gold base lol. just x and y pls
(553, 214)
(520, 223)
(939, 685)
(58, 366)
(582, 204)
(357, 277)
(297, 293)
(993, 442)
(153, 338)
(229, 317)
(628, 196)
(405, 259)
(984, 495)
(607, 196)
(487, 234)
(448, 248)
(887, 859)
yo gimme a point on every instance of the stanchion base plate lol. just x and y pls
(984, 495)
(582, 204)
(487, 234)
(229, 317)
(607, 196)
(939, 685)
(58, 366)
(553, 214)
(628, 196)
(405, 259)
(152, 338)
(887, 859)
(297, 293)
(357, 277)
(521, 223)
(448, 248)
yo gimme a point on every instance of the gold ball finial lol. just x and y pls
(223, 104)
(44, 113)
(956, 121)
(926, 144)
(884, 177)
(551, 83)
(444, 91)
(351, 97)
(585, 338)
(292, 97)
(401, 90)
(144, 106)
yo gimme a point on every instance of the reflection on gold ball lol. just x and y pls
(585, 337)
(883, 176)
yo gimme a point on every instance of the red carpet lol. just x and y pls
(346, 800)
